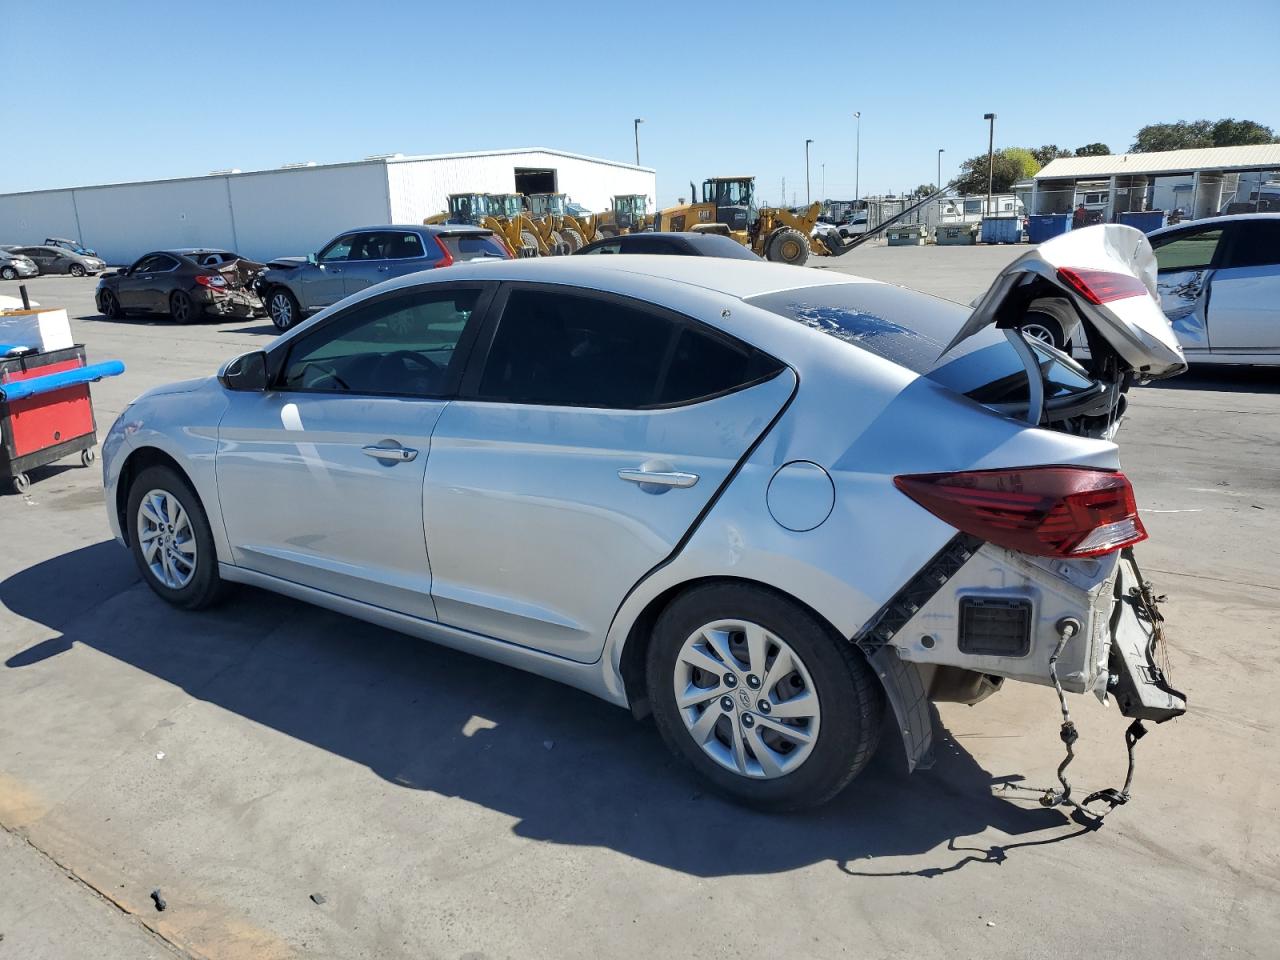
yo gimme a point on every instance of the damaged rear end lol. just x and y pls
(1040, 582)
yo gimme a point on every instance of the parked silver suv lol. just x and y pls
(294, 287)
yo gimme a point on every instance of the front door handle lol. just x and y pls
(383, 269)
(396, 454)
(668, 478)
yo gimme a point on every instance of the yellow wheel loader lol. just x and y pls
(626, 214)
(728, 207)
(560, 230)
(522, 233)
(485, 210)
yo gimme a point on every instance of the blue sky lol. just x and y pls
(725, 88)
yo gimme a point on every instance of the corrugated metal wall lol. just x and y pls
(419, 188)
(276, 213)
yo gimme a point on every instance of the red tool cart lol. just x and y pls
(45, 409)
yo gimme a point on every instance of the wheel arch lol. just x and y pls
(137, 461)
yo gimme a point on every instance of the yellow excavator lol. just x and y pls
(491, 212)
(728, 207)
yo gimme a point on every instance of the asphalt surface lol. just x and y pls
(246, 758)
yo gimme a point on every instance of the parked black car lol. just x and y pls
(186, 284)
(677, 244)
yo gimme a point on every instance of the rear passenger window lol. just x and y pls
(565, 350)
(1191, 251)
(1256, 244)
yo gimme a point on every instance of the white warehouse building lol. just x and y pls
(293, 210)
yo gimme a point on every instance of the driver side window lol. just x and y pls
(340, 249)
(403, 346)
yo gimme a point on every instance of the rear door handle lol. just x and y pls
(395, 454)
(672, 478)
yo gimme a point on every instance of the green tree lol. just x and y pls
(1230, 132)
(924, 190)
(1093, 150)
(1181, 135)
(1008, 167)
(1050, 151)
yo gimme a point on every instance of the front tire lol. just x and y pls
(8, 273)
(283, 309)
(76, 270)
(109, 306)
(761, 697)
(788, 246)
(170, 539)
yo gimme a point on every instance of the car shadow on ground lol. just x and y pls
(1224, 379)
(569, 768)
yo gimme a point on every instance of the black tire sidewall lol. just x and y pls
(205, 586)
(8, 273)
(175, 297)
(1048, 313)
(293, 309)
(76, 270)
(850, 697)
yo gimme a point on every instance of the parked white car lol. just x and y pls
(1219, 285)
(779, 509)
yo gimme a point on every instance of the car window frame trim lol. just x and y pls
(278, 353)
(469, 388)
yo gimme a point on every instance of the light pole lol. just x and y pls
(823, 189)
(938, 182)
(991, 149)
(857, 159)
(807, 199)
(637, 123)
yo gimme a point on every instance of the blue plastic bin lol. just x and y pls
(1144, 220)
(1001, 229)
(1046, 226)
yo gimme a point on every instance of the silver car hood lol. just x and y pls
(1134, 326)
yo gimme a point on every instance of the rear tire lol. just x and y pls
(283, 308)
(181, 546)
(835, 700)
(789, 246)
(181, 307)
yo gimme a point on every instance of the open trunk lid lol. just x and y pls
(1109, 274)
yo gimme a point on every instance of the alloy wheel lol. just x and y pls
(281, 311)
(1038, 331)
(746, 699)
(167, 539)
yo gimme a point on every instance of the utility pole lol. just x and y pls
(824, 182)
(991, 149)
(784, 192)
(857, 160)
(938, 183)
(807, 198)
(637, 123)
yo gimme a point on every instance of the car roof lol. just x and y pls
(188, 251)
(736, 278)
(1213, 221)
(420, 228)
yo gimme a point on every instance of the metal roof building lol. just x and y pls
(293, 210)
(1211, 177)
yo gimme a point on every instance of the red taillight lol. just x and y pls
(446, 257)
(1046, 511)
(1102, 286)
(211, 280)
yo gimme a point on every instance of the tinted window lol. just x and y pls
(1187, 251)
(566, 350)
(404, 246)
(1256, 244)
(340, 249)
(475, 247)
(372, 246)
(613, 246)
(161, 263)
(403, 346)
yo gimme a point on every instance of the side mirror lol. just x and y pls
(311, 259)
(246, 373)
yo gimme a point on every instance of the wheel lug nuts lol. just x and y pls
(748, 721)
(753, 681)
(730, 680)
(764, 706)
(726, 703)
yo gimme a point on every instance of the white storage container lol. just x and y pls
(43, 329)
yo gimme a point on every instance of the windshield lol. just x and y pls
(468, 206)
(506, 205)
(546, 203)
(911, 329)
(729, 193)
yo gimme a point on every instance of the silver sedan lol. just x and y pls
(776, 508)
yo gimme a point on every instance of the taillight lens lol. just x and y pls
(1102, 286)
(1045, 511)
(446, 257)
(214, 280)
